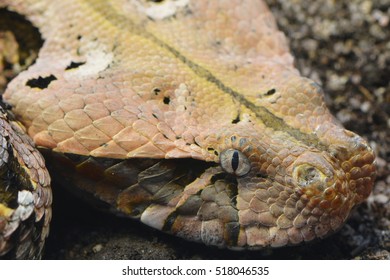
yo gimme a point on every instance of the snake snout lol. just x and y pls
(321, 185)
(306, 175)
(311, 170)
(357, 161)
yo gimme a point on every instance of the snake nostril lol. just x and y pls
(306, 175)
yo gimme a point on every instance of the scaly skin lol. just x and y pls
(25, 193)
(200, 103)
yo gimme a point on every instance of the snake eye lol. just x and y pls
(235, 162)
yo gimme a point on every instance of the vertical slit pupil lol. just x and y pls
(235, 159)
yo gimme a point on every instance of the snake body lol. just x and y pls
(25, 194)
(190, 116)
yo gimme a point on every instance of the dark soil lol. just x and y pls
(345, 47)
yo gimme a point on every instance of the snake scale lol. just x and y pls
(187, 115)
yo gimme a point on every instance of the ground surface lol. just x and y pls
(344, 46)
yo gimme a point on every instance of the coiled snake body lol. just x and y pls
(187, 115)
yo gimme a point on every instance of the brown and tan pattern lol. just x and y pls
(190, 116)
(25, 194)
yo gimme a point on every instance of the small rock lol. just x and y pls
(337, 82)
(381, 198)
(97, 248)
(366, 106)
(381, 18)
(388, 179)
(366, 7)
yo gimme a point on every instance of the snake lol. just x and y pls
(189, 116)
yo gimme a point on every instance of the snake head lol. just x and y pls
(290, 196)
(272, 191)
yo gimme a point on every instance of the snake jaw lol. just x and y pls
(310, 198)
(325, 190)
(322, 196)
